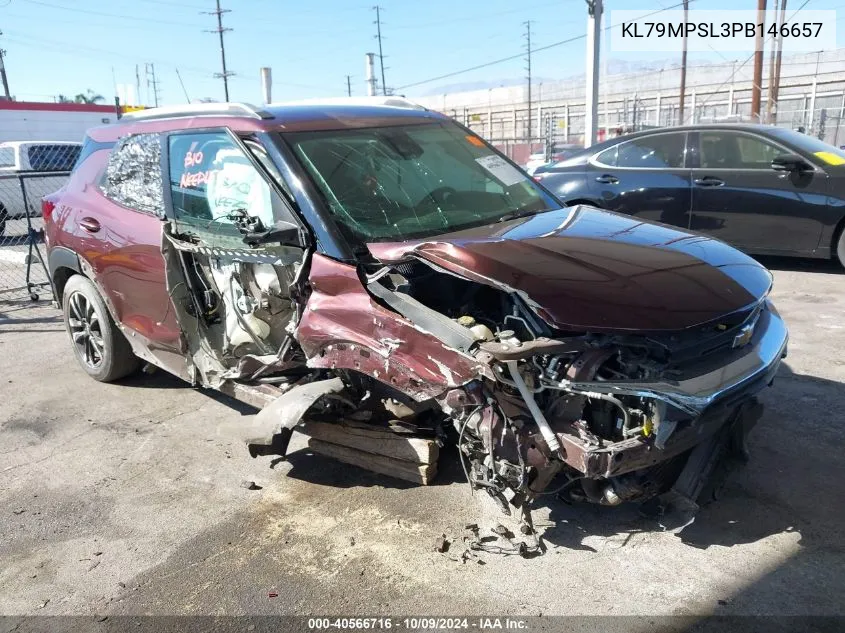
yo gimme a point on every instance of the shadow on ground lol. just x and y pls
(801, 264)
(791, 484)
(796, 470)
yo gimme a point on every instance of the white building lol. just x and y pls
(33, 121)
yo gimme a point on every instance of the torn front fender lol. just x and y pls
(342, 327)
(271, 430)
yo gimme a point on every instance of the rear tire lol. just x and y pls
(100, 348)
(3, 217)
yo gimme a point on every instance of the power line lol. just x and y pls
(378, 10)
(109, 15)
(220, 30)
(536, 50)
(476, 18)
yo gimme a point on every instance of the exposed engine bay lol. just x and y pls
(598, 417)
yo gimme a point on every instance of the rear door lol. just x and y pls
(646, 177)
(119, 231)
(738, 197)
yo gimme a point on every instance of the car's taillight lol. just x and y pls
(47, 207)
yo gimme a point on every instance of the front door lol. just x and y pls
(738, 198)
(645, 177)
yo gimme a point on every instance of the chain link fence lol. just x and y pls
(28, 172)
(814, 108)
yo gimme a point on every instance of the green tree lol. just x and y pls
(88, 97)
(63, 99)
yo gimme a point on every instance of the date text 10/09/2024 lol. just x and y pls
(419, 623)
(719, 30)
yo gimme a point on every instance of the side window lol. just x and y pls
(608, 156)
(729, 150)
(661, 151)
(211, 177)
(133, 174)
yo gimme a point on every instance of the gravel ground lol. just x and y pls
(128, 499)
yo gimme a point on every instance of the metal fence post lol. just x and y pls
(566, 122)
(812, 109)
(657, 111)
(32, 237)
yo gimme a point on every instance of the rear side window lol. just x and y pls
(53, 157)
(89, 146)
(608, 156)
(661, 151)
(133, 173)
(7, 157)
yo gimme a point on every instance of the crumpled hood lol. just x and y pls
(587, 269)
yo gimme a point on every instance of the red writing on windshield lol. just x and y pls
(193, 158)
(195, 179)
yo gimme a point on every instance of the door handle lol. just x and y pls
(89, 224)
(607, 179)
(709, 181)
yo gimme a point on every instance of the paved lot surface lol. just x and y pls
(126, 499)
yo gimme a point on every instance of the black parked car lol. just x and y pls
(763, 189)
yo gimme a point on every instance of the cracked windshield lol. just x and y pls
(404, 182)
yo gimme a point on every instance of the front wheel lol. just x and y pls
(100, 348)
(3, 217)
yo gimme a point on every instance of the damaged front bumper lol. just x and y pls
(712, 398)
(755, 363)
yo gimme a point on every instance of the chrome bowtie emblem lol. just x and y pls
(744, 336)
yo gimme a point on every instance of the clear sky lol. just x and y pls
(68, 46)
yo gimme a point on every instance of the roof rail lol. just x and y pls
(198, 109)
(392, 101)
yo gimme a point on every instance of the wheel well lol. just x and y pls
(592, 203)
(836, 235)
(60, 278)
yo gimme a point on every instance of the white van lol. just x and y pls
(32, 157)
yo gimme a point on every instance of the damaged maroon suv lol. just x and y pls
(380, 263)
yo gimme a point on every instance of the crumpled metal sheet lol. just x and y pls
(133, 174)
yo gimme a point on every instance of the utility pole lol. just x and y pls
(152, 82)
(348, 85)
(220, 30)
(775, 89)
(758, 63)
(594, 10)
(3, 73)
(772, 54)
(137, 85)
(380, 53)
(683, 68)
(528, 68)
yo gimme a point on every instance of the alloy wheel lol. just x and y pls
(85, 330)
